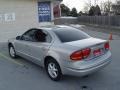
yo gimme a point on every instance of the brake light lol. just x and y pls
(86, 52)
(107, 46)
(79, 55)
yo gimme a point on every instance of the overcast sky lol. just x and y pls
(79, 4)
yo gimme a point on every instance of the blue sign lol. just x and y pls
(44, 11)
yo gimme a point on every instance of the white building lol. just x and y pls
(25, 14)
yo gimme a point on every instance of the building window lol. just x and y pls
(9, 17)
(44, 11)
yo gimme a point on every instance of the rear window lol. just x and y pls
(70, 34)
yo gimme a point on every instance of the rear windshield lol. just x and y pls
(70, 34)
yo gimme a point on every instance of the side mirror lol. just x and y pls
(18, 37)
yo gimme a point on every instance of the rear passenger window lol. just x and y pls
(42, 36)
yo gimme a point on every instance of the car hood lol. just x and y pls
(86, 42)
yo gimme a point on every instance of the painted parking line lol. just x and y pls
(11, 60)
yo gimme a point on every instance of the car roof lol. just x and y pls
(54, 27)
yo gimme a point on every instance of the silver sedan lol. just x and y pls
(62, 50)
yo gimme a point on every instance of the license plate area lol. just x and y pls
(97, 52)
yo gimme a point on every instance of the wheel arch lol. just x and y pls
(47, 58)
(11, 44)
(55, 57)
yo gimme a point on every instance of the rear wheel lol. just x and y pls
(12, 52)
(53, 70)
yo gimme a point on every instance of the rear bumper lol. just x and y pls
(87, 70)
(83, 72)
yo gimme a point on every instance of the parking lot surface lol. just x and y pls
(20, 74)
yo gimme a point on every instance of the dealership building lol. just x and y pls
(25, 14)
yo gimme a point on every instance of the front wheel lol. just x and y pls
(12, 52)
(53, 70)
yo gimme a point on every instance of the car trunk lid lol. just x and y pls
(96, 46)
(86, 42)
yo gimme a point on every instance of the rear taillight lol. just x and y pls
(77, 56)
(107, 46)
(86, 52)
(80, 55)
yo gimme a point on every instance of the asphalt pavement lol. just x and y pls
(20, 74)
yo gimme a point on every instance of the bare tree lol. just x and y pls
(101, 6)
(117, 1)
(96, 2)
(106, 6)
(87, 6)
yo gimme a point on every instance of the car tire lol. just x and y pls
(53, 70)
(12, 52)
